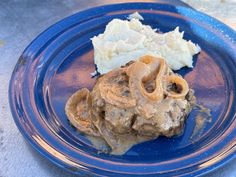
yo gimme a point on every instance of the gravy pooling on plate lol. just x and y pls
(132, 104)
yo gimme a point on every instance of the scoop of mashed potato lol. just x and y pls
(126, 40)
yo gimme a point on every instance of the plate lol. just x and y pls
(59, 62)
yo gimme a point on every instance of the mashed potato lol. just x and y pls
(126, 40)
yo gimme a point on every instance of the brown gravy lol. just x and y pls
(202, 118)
(121, 112)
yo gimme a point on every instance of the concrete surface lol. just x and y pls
(20, 22)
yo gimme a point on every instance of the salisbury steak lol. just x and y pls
(132, 104)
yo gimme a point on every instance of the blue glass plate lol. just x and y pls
(59, 62)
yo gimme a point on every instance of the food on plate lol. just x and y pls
(134, 103)
(126, 40)
(138, 97)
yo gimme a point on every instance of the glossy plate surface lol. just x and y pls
(59, 62)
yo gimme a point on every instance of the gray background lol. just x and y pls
(20, 22)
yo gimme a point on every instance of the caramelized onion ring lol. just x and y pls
(143, 70)
(112, 92)
(179, 81)
(157, 69)
(149, 68)
(78, 110)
